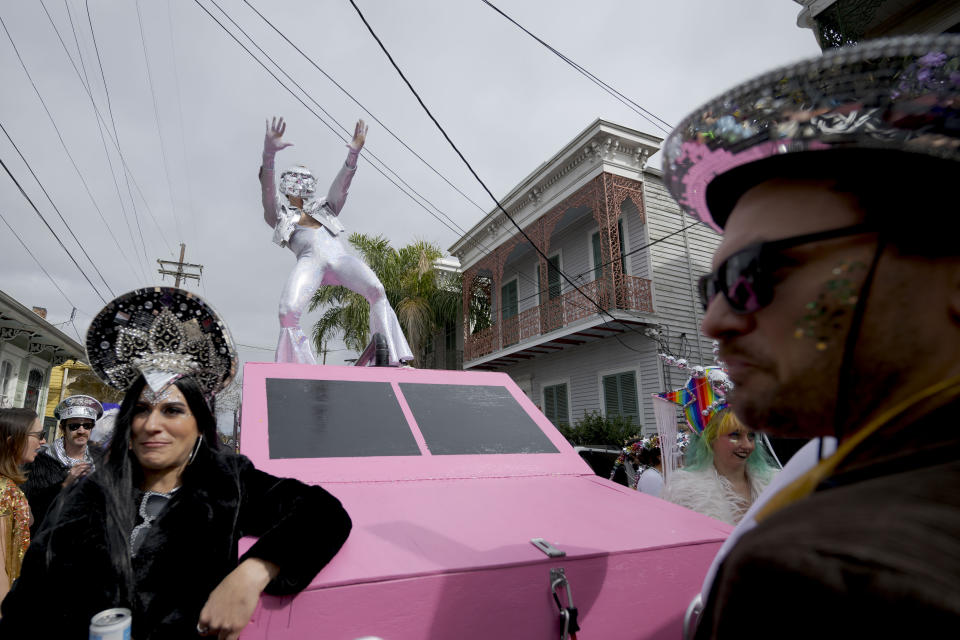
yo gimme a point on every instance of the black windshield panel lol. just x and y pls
(335, 419)
(471, 419)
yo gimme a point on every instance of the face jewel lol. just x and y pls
(154, 398)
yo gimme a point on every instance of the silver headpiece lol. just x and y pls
(79, 406)
(898, 94)
(164, 334)
(298, 182)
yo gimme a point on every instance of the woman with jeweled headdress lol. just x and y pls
(155, 529)
(310, 227)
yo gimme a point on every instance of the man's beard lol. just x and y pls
(836, 408)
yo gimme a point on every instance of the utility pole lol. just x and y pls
(181, 266)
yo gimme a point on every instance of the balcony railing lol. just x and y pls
(558, 312)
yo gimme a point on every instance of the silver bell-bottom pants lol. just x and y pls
(323, 259)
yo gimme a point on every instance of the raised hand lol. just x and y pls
(272, 141)
(76, 472)
(359, 136)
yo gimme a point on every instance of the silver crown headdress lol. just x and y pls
(298, 182)
(79, 406)
(164, 334)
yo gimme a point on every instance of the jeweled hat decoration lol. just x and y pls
(78, 406)
(897, 94)
(164, 334)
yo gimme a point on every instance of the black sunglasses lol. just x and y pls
(76, 426)
(746, 279)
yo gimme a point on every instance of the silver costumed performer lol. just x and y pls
(309, 227)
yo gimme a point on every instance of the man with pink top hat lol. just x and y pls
(836, 302)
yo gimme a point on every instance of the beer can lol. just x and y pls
(111, 624)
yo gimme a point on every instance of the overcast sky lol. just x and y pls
(192, 144)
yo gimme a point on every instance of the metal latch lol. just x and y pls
(547, 548)
(568, 614)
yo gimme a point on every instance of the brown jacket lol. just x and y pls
(873, 553)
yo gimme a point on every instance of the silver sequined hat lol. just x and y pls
(162, 333)
(900, 95)
(78, 406)
(298, 182)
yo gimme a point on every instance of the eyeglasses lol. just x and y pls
(80, 425)
(39, 435)
(746, 279)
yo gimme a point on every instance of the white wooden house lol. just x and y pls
(29, 348)
(598, 214)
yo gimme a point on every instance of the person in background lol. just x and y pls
(21, 434)
(724, 470)
(650, 471)
(640, 462)
(67, 459)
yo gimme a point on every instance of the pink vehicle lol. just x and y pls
(448, 476)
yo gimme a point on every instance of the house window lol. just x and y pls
(620, 395)
(553, 277)
(555, 404)
(508, 300)
(34, 384)
(598, 256)
(6, 381)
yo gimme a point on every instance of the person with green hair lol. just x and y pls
(725, 469)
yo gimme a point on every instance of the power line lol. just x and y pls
(636, 108)
(328, 125)
(39, 264)
(183, 142)
(357, 102)
(66, 150)
(126, 167)
(482, 183)
(156, 117)
(55, 208)
(59, 241)
(459, 228)
(366, 151)
(85, 82)
(76, 331)
(106, 90)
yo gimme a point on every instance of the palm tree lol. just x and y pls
(424, 299)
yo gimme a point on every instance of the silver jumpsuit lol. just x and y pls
(323, 258)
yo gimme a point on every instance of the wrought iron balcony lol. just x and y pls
(633, 295)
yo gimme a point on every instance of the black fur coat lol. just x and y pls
(189, 549)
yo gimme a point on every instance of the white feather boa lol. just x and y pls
(711, 494)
